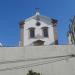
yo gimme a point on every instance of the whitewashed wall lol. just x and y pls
(64, 67)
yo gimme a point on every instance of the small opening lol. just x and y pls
(38, 24)
(56, 42)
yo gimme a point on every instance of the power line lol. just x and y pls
(34, 64)
(26, 66)
(35, 59)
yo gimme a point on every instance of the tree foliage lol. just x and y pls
(33, 73)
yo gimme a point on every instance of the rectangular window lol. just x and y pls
(32, 32)
(45, 31)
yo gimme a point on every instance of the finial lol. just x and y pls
(37, 11)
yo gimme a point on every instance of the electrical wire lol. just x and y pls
(35, 59)
(34, 64)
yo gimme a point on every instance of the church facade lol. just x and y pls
(38, 30)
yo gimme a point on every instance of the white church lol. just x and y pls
(39, 52)
(38, 30)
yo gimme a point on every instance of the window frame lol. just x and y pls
(45, 33)
(31, 32)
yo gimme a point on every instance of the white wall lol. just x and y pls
(64, 67)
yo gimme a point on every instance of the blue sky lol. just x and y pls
(13, 11)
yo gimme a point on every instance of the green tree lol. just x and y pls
(33, 73)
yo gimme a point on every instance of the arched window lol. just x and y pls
(45, 31)
(38, 43)
(32, 32)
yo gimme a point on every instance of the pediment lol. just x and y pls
(41, 18)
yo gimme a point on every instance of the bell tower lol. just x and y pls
(38, 30)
